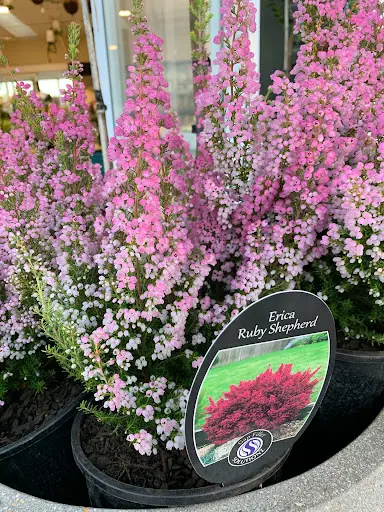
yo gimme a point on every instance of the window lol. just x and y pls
(52, 86)
(170, 19)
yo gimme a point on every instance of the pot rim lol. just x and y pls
(359, 356)
(160, 497)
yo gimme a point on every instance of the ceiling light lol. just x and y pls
(112, 47)
(4, 9)
(125, 14)
(15, 27)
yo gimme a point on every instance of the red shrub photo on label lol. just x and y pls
(270, 386)
(268, 401)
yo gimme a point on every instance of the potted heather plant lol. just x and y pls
(350, 277)
(48, 196)
(126, 324)
(281, 172)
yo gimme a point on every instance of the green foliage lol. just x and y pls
(121, 423)
(32, 371)
(115, 420)
(137, 13)
(357, 315)
(54, 326)
(3, 58)
(137, 6)
(74, 30)
(200, 10)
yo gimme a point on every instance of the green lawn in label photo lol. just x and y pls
(219, 379)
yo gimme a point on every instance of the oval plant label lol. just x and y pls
(259, 386)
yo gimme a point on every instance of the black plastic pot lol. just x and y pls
(355, 394)
(41, 463)
(107, 492)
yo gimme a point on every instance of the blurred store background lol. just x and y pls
(33, 33)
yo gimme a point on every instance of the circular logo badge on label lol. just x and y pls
(250, 447)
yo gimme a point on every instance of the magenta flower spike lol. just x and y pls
(127, 320)
(303, 140)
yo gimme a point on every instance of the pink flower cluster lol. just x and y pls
(18, 325)
(267, 185)
(355, 234)
(125, 315)
(49, 190)
(229, 102)
(292, 158)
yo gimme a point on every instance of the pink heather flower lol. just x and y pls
(131, 305)
(49, 190)
(350, 60)
(301, 141)
(197, 363)
(226, 149)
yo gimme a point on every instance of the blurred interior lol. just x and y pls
(33, 33)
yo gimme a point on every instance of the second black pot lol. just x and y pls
(355, 394)
(41, 463)
(107, 492)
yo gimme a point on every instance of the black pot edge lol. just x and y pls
(158, 497)
(359, 356)
(46, 429)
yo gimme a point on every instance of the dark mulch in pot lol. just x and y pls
(26, 411)
(112, 454)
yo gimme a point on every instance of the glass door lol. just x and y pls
(170, 19)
